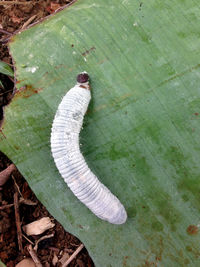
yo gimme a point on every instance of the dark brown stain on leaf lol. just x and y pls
(192, 230)
(19, 81)
(125, 260)
(158, 258)
(2, 135)
(27, 91)
(88, 51)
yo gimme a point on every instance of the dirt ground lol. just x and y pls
(58, 245)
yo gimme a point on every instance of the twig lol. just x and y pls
(14, 3)
(16, 185)
(12, 80)
(28, 21)
(34, 256)
(7, 206)
(21, 201)
(6, 32)
(73, 255)
(18, 223)
(5, 40)
(42, 238)
(5, 174)
(64, 258)
(28, 239)
(27, 202)
(6, 92)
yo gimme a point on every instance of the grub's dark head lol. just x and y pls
(83, 77)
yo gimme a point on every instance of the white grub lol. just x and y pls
(69, 160)
(38, 227)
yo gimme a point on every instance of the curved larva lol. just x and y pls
(69, 160)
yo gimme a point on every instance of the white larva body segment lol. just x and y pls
(70, 162)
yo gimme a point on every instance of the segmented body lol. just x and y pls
(70, 162)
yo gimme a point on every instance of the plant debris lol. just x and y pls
(34, 256)
(50, 247)
(38, 227)
(28, 262)
(54, 247)
(5, 174)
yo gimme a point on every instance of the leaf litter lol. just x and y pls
(54, 247)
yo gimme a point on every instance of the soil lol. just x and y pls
(12, 18)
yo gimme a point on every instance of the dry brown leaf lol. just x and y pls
(15, 19)
(53, 7)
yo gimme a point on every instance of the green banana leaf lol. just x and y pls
(6, 69)
(140, 134)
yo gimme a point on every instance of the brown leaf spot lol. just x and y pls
(27, 91)
(192, 230)
(125, 260)
(88, 51)
(82, 86)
